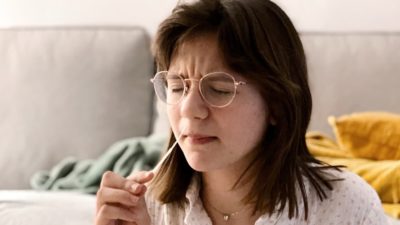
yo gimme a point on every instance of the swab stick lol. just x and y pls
(157, 167)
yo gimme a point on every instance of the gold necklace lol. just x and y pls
(226, 216)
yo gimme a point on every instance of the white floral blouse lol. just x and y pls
(352, 202)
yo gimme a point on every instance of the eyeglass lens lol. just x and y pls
(217, 89)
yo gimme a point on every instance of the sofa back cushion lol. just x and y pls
(352, 72)
(69, 92)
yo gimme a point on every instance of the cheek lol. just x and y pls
(250, 126)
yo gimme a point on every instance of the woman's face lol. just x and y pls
(214, 138)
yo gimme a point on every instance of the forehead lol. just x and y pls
(197, 56)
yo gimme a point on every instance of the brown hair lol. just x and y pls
(258, 40)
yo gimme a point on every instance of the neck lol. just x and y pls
(219, 197)
(218, 185)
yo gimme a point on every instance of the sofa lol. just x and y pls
(74, 91)
(70, 91)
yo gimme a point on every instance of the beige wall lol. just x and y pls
(309, 15)
(344, 15)
(146, 13)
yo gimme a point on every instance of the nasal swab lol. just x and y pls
(157, 167)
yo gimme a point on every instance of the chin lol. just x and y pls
(196, 162)
(198, 166)
(201, 161)
(201, 165)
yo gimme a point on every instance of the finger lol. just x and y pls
(113, 180)
(107, 195)
(138, 189)
(108, 213)
(141, 176)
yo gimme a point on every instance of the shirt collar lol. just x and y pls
(193, 191)
(195, 209)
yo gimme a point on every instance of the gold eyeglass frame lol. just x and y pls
(186, 88)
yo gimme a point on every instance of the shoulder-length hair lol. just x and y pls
(257, 40)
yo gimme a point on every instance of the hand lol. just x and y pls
(120, 201)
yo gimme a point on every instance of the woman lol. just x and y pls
(234, 79)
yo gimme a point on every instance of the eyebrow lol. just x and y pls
(183, 75)
(202, 75)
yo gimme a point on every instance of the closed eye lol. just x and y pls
(176, 90)
(221, 91)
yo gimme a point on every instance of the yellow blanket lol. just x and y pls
(392, 209)
(383, 176)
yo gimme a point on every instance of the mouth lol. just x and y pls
(200, 139)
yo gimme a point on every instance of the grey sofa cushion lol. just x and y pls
(350, 72)
(69, 92)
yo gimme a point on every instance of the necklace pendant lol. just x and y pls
(226, 217)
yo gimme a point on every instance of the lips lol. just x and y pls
(200, 139)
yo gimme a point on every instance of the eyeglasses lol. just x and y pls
(218, 89)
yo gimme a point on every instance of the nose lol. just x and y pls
(193, 105)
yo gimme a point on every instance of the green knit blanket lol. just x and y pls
(123, 157)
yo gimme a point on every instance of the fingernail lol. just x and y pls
(148, 173)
